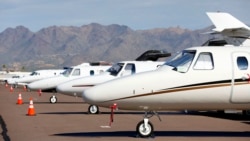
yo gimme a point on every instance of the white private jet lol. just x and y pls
(4, 75)
(34, 76)
(145, 62)
(199, 78)
(82, 70)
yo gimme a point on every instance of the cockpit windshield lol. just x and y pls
(34, 73)
(115, 69)
(182, 61)
(67, 72)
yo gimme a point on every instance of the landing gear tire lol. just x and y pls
(93, 109)
(145, 130)
(53, 99)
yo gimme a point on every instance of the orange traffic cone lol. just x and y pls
(6, 85)
(31, 110)
(19, 100)
(11, 89)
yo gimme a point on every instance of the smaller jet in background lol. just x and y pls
(11, 76)
(34, 76)
(82, 70)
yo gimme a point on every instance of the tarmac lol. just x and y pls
(68, 120)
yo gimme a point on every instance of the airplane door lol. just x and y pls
(241, 78)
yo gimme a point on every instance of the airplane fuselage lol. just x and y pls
(34, 76)
(69, 74)
(206, 78)
(200, 78)
(121, 69)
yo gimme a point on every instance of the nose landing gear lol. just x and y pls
(53, 99)
(93, 109)
(145, 128)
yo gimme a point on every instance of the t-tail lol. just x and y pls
(234, 31)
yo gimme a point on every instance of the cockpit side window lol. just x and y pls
(242, 63)
(76, 72)
(204, 62)
(131, 68)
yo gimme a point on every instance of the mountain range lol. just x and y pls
(59, 46)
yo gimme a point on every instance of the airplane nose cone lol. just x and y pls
(88, 96)
(10, 81)
(62, 88)
(32, 86)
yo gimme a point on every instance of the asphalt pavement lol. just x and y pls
(68, 120)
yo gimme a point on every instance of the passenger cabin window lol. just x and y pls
(92, 72)
(242, 63)
(76, 72)
(204, 62)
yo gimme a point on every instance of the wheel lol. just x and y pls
(53, 99)
(144, 131)
(93, 109)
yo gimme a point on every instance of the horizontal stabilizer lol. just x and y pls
(224, 21)
(234, 31)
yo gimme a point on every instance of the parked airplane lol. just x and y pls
(4, 75)
(34, 76)
(82, 70)
(120, 69)
(199, 78)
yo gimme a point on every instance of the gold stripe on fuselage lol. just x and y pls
(184, 88)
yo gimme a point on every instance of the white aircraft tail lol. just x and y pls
(234, 31)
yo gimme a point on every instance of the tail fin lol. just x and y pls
(230, 27)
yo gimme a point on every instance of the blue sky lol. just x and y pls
(137, 14)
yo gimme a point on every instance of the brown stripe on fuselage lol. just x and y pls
(83, 85)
